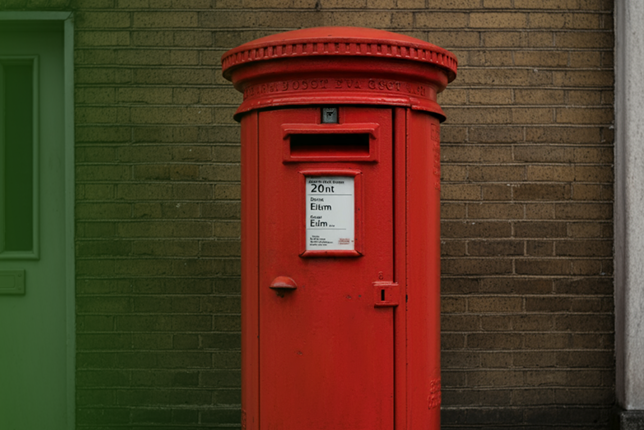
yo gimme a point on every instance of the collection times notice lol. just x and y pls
(330, 213)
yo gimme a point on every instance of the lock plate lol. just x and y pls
(386, 294)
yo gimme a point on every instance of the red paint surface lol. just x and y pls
(325, 350)
(356, 345)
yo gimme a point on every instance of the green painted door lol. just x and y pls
(34, 286)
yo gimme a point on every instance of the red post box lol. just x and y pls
(340, 229)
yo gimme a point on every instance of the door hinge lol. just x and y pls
(386, 294)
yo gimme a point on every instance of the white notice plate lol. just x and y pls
(330, 211)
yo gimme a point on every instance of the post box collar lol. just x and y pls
(339, 41)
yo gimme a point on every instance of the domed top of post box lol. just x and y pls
(339, 65)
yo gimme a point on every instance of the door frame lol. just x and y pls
(67, 18)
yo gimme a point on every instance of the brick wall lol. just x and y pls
(527, 205)
(527, 214)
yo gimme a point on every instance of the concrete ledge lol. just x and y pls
(631, 420)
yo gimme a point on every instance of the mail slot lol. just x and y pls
(340, 228)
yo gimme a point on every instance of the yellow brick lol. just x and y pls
(193, 76)
(493, 77)
(152, 38)
(454, 4)
(451, 39)
(453, 173)
(547, 20)
(490, 97)
(583, 78)
(608, 97)
(585, 21)
(165, 19)
(606, 5)
(546, 134)
(593, 174)
(362, 19)
(143, 57)
(230, 4)
(496, 192)
(85, 115)
(496, 173)
(102, 38)
(478, 116)
(350, 4)
(495, 211)
(540, 211)
(186, 115)
(184, 57)
(494, 4)
(102, 75)
(541, 58)
(402, 20)
(440, 20)
(608, 59)
(585, 59)
(460, 192)
(550, 173)
(462, 57)
(145, 95)
(506, 39)
(452, 97)
(584, 40)
(565, 20)
(192, 38)
(95, 95)
(532, 115)
(541, 39)
(451, 133)
(190, 4)
(476, 154)
(495, 134)
(102, 19)
(546, 4)
(410, 4)
(592, 192)
(225, 115)
(593, 155)
(133, 4)
(498, 20)
(221, 96)
(185, 96)
(585, 116)
(381, 4)
(539, 97)
(93, 4)
(95, 56)
(495, 304)
(584, 98)
(543, 154)
(490, 58)
(452, 210)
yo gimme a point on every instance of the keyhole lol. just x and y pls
(382, 295)
(329, 115)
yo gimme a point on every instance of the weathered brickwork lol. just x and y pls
(527, 216)
(527, 205)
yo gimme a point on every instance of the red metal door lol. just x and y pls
(326, 347)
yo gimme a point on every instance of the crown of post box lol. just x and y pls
(339, 65)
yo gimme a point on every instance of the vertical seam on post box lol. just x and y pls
(400, 350)
(394, 206)
(257, 274)
(407, 125)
